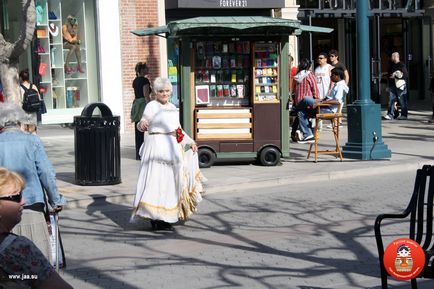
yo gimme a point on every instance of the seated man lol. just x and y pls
(306, 108)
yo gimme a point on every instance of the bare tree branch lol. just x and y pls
(10, 52)
(28, 22)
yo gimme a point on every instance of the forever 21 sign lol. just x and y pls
(233, 3)
(224, 4)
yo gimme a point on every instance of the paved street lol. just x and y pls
(301, 225)
(317, 235)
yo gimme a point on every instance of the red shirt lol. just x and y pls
(307, 87)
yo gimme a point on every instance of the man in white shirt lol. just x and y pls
(322, 75)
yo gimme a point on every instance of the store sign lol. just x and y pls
(231, 4)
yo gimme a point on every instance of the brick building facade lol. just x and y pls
(135, 14)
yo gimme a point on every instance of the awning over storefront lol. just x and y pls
(230, 26)
(152, 31)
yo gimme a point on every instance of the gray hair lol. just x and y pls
(11, 114)
(160, 83)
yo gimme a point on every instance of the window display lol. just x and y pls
(58, 40)
(222, 73)
(67, 62)
(266, 72)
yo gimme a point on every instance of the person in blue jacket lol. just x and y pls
(25, 154)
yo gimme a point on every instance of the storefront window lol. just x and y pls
(222, 73)
(63, 56)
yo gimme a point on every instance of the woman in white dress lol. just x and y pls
(170, 183)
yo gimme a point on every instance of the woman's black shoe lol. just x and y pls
(153, 225)
(158, 225)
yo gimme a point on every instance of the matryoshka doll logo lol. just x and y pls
(404, 259)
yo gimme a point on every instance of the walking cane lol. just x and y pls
(56, 218)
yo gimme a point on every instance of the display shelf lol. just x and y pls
(222, 73)
(75, 78)
(63, 91)
(265, 72)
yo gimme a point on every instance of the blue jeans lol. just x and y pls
(305, 111)
(394, 95)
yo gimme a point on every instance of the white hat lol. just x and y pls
(54, 30)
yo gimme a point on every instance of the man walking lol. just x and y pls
(397, 87)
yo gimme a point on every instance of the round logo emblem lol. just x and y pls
(404, 259)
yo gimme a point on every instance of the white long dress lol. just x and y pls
(170, 182)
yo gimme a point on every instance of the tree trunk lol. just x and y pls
(10, 52)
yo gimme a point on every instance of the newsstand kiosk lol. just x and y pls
(234, 84)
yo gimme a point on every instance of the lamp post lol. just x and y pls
(364, 116)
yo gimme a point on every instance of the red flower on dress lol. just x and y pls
(179, 135)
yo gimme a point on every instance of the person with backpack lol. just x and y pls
(30, 97)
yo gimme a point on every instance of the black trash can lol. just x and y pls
(97, 147)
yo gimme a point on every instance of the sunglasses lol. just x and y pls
(13, 198)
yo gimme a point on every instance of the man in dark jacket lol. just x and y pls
(398, 78)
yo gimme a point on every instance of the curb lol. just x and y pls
(321, 177)
(100, 199)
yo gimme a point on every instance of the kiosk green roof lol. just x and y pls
(228, 26)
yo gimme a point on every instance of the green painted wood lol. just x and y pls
(185, 68)
(151, 31)
(284, 90)
(364, 116)
(236, 155)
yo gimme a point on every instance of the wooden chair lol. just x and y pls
(419, 214)
(334, 119)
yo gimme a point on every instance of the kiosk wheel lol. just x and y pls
(269, 156)
(206, 157)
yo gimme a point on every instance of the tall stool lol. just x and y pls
(334, 119)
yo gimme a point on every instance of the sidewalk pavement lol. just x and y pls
(409, 140)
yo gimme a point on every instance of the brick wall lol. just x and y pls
(136, 14)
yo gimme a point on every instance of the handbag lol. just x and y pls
(43, 68)
(43, 107)
(56, 245)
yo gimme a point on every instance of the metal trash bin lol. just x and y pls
(97, 147)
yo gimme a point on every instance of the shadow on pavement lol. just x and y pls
(68, 177)
(118, 214)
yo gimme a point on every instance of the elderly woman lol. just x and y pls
(18, 255)
(24, 153)
(170, 183)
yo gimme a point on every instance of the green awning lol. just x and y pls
(151, 31)
(318, 29)
(231, 26)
